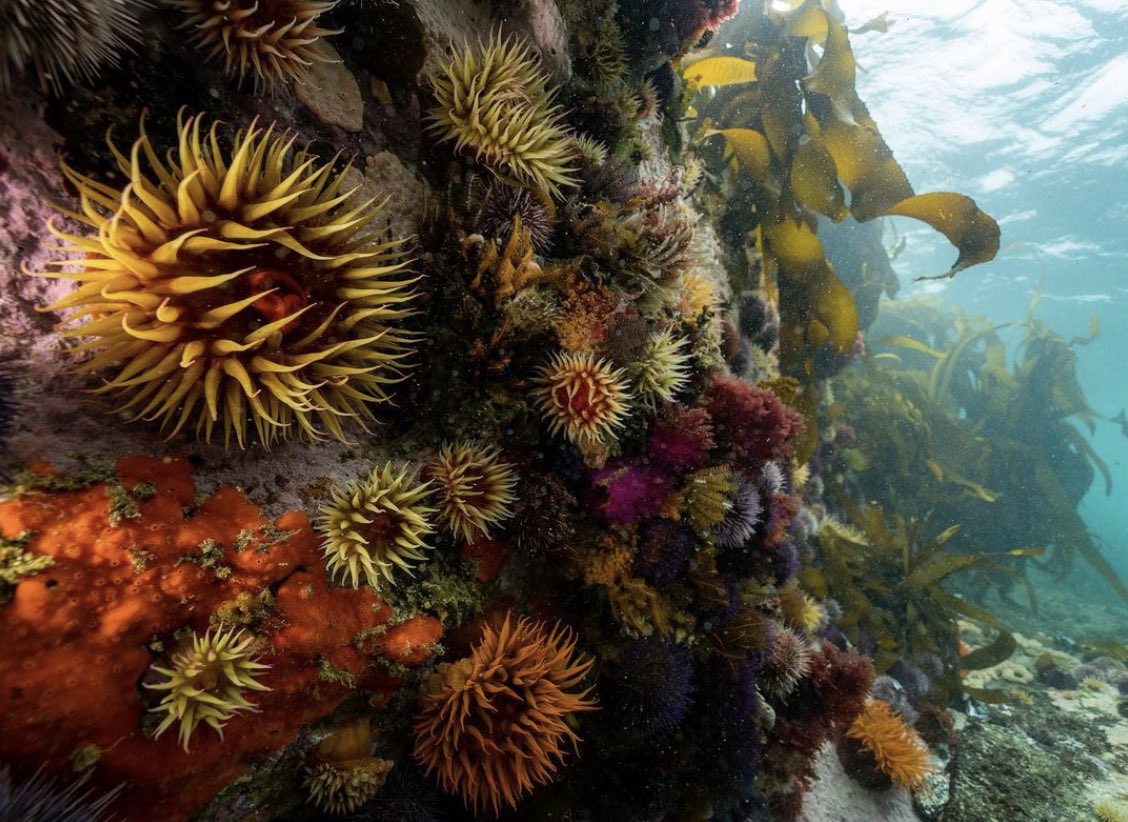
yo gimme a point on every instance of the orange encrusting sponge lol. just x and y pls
(77, 635)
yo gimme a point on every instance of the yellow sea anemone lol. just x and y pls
(496, 724)
(376, 525)
(273, 40)
(206, 683)
(493, 101)
(582, 396)
(662, 369)
(475, 488)
(226, 288)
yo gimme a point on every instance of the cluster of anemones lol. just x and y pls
(499, 722)
(493, 100)
(206, 682)
(343, 774)
(239, 291)
(376, 525)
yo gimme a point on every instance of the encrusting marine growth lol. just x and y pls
(474, 487)
(582, 396)
(275, 41)
(494, 101)
(373, 526)
(206, 683)
(221, 287)
(495, 724)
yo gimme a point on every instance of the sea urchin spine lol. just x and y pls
(223, 288)
(206, 683)
(582, 396)
(373, 526)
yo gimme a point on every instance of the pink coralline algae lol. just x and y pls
(633, 491)
(750, 422)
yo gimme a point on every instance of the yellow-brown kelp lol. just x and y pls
(374, 526)
(273, 41)
(796, 129)
(63, 41)
(495, 725)
(206, 683)
(494, 101)
(221, 287)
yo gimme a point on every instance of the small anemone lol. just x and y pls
(375, 525)
(344, 775)
(662, 370)
(206, 683)
(274, 41)
(494, 100)
(583, 397)
(474, 488)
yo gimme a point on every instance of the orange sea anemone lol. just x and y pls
(897, 750)
(495, 724)
(582, 396)
(275, 41)
(475, 489)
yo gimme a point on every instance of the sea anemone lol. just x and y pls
(662, 370)
(799, 610)
(496, 724)
(493, 100)
(474, 488)
(590, 150)
(223, 288)
(742, 516)
(206, 682)
(63, 40)
(649, 687)
(897, 750)
(344, 774)
(584, 397)
(275, 41)
(376, 525)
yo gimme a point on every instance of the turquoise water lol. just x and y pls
(1023, 106)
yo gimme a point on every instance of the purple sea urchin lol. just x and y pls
(649, 687)
(475, 489)
(275, 41)
(42, 799)
(206, 683)
(583, 397)
(493, 100)
(226, 288)
(63, 40)
(375, 525)
(742, 517)
(788, 661)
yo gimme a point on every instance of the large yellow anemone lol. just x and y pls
(373, 526)
(493, 100)
(206, 683)
(240, 289)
